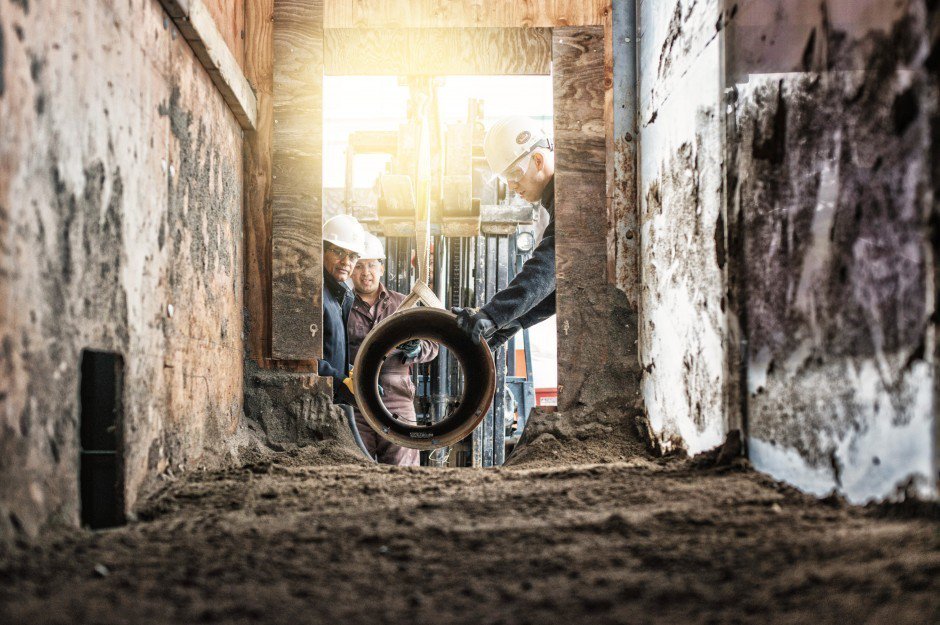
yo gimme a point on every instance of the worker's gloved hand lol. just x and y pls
(474, 322)
(410, 349)
(348, 383)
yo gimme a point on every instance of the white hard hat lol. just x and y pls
(373, 248)
(511, 138)
(346, 232)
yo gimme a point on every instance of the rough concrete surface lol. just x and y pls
(786, 182)
(120, 212)
(687, 378)
(830, 128)
(296, 537)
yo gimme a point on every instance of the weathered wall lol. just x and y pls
(786, 184)
(832, 169)
(120, 212)
(687, 379)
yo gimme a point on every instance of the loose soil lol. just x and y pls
(315, 536)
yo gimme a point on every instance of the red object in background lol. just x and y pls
(520, 364)
(545, 397)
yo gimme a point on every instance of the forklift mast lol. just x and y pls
(480, 236)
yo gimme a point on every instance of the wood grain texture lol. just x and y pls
(259, 69)
(610, 147)
(457, 13)
(296, 281)
(595, 358)
(436, 51)
(199, 28)
(229, 17)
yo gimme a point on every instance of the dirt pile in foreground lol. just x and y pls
(607, 432)
(287, 539)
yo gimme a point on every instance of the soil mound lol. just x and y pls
(610, 431)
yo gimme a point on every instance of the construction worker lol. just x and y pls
(343, 243)
(373, 303)
(522, 155)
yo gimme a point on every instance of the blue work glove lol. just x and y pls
(410, 350)
(474, 322)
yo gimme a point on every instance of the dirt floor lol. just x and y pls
(558, 537)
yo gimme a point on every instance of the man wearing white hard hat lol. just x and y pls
(520, 153)
(373, 303)
(343, 244)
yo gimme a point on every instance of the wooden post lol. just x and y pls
(296, 281)
(259, 62)
(596, 325)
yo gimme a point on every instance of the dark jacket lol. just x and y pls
(395, 376)
(337, 302)
(530, 297)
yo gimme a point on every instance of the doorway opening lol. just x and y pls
(481, 232)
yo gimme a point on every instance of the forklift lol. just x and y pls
(481, 234)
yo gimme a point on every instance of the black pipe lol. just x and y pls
(435, 325)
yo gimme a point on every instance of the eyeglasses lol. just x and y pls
(516, 172)
(342, 253)
(371, 266)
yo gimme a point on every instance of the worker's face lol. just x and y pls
(338, 261)
(367, 276)
(529, 177)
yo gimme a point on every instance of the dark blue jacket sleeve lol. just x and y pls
(324, 368)
(543, 310)
(341, 394)
(529, 289)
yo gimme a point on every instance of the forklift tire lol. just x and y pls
(437, 325)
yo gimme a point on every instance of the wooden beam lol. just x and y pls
(463, 13)
(596, 355)
(437, 51)
(259, 68)
(200, 30)
(296, 281)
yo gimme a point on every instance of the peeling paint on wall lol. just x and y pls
(817, 251)
(832, 170)
(683, 325)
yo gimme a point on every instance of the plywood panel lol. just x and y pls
(200, 30)
(458, 13)
(297, 180)
(354, 51)
(229, 17)
(596, 356)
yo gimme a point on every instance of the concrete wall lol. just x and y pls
(787, 272)
(683, 325)
(832, 165)
(120, 216)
